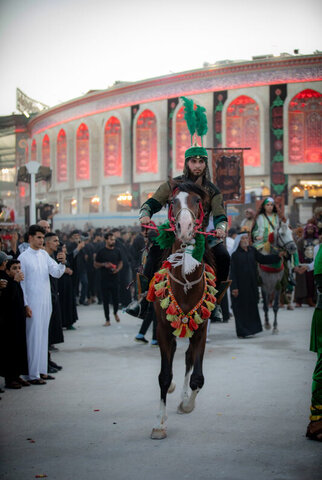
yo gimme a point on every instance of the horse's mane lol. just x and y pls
(189, 187)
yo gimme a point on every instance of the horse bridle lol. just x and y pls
(197, 221)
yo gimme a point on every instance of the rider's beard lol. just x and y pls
(193, 177)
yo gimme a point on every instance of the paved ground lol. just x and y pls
(94, 421)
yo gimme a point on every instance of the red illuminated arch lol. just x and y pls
(305, 127)
(183, 139)
(61, 157)
(242, 128)
(146, 143)
(34, 151)
(82, 152)
(112, 148)
(45, 154)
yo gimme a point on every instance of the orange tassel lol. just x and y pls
(183, 331)
(211, 282)
(204, 312)
(171, 310)
(161, 293)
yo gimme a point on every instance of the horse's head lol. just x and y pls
(285, 238)
(186, 212)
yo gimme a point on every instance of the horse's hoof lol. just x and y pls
(185, 409)
(275, 331)
(172, 387)
(267, 325)
(158, 433)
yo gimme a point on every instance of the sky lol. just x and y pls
(56, 50)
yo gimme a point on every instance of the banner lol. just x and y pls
(228, 175)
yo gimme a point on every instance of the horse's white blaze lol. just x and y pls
(184, 218)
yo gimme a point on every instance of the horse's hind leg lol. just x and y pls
(167, 344)
(275, 309)
(194, 356)
(267, 325)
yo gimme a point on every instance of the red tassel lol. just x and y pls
(175, 324)
(209, 269)
(183, 331)
(167, 265)
(271, 237)
(211, 282)
(161, 293)
(192, 324)
(204, 312)
(171, 310)
(211, 298)
(159, 277)
(151, 294)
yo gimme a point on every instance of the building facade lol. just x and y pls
(109, 150)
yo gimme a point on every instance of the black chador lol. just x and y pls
(243, 273)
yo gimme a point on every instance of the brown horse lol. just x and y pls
(186, 293)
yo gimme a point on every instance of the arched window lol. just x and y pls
(146, 143)
(304, 127)
(183, 139)
(82, 153)
(112, 148)
(34, 151)
(61, 157)
(45, 157)
(242, 128)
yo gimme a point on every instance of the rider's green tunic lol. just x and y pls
(316, 342)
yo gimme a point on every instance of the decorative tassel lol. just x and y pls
(165, 266)
(160, 285)
(165, 302)
(172, 318)
(161, 293)
(177, 332)
(204, 312)
(209, 269)
(175, 324)
(159, 277)
(198, 318)
(151, 294)
(192, 324)
(211, 298)
(211, 282)
(183, 331)
(210, 306)
(172, 309)
(212, 290)
(189, 333)
(210, 276)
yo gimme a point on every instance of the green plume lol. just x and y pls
(189, 115)
(201, 121)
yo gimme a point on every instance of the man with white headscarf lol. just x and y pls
(244, 286)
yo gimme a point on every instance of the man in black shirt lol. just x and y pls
(109, 260)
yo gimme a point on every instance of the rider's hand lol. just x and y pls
(235, 292)
(145, 220)
(220, 233)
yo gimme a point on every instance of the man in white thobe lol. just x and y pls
(36, 266)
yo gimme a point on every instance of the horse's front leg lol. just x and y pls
(275, 309)
(267, 325)
(194, 357)
(167, 345)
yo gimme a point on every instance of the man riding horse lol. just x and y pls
(196, 169)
